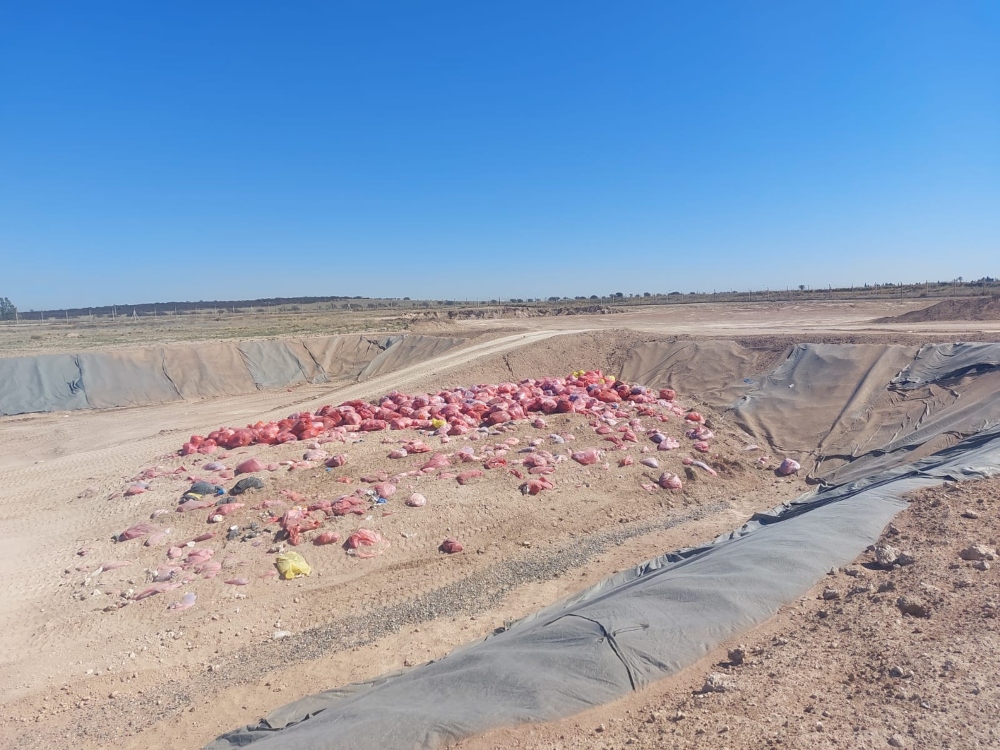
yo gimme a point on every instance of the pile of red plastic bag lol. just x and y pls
(456, 411)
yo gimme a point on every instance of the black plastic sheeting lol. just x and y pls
(44, 383)
(137, 377)
(943, 363)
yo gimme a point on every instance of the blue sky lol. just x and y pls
(173, 151)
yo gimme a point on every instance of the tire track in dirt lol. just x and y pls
(48, 459)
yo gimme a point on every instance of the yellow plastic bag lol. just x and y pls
(292, 565)
(437, 423)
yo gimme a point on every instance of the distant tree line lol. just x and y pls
(7, 309)
(148, 308)
(293, 304)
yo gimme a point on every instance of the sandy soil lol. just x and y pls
(802, 320)
(141, 675)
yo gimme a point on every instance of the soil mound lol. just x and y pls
(498, 313)
(978, 308)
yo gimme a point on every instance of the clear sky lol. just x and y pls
(191, 150)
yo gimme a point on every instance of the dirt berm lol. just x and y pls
(977, 308)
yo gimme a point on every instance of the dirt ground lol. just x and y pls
(695, 319)
(980, 308)
(80, 669)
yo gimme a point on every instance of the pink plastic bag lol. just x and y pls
(385, 489)
(250, 466)
(326, 537)
(788, 466)
(347, 505)
(437, 461)
(534, 486)
(467, 476)
(588, 457)
(137, 531)
(157, 588)
(451, 546)
(366, 543)
(670, 481)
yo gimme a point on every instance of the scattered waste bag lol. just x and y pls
(636, 627)
(292, 565)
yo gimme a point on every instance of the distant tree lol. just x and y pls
(553, 299)
(594, 296)
(802, 287)
(618, 295)
(646, 294)
(7, 309)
